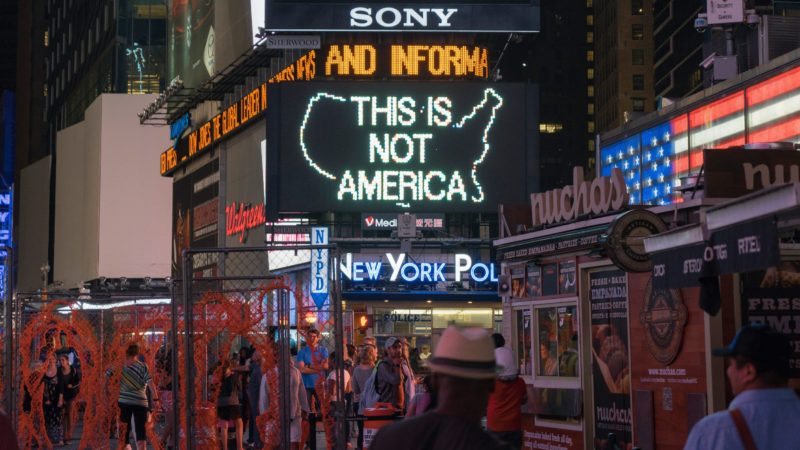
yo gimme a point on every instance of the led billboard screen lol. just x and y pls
(396, 146)
(477, 16)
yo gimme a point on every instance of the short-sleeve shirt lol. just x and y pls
(505, 405)
(772, 415)
(133, 383)
(306, 357)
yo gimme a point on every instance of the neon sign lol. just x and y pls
(246, 217)
(402, 268)
(388, 147)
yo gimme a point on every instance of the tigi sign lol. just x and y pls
(319, 266)
(388, 146)
(402, 268)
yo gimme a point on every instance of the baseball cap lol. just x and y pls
(390, 341)
(768, 349)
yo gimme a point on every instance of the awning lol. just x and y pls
(740, 235)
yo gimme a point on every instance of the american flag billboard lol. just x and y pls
(655, 159)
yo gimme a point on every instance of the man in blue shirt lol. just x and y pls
(312, 360)
(765, 412)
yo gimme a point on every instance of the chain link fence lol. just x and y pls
(227, 304)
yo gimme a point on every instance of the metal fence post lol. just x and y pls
(188, 317)
(8, 334)
(283, 366)
(336, 300)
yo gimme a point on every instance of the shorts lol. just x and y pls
(296, 429)
(230, 412)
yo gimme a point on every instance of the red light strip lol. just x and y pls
(779, 85)
(717, 110)
(784, 131)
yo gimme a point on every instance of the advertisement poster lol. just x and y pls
(518, 281)
(195, 217)
(567, 282)
(773, 297)
(550, 279)
(534, 280)
(610, 366)
(191, 41)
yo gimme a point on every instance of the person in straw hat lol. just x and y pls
(463, 369)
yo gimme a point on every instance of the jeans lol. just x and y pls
(512, 438)
(253, 431)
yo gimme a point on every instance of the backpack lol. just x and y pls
(369, 395)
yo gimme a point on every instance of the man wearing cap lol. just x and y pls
(463, 369)
(389, 378)
(765, 414)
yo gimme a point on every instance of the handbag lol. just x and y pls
(743, 429)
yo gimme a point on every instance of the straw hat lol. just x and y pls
(464, 353)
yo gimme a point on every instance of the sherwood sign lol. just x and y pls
(401, 267)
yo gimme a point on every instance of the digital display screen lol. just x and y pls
(396, 146)
(476, 16)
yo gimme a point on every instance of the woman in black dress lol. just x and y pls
(53, 402)
(71, 382)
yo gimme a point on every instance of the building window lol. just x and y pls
(638, 82)
(590, 108)
(590, 20)
(589, 37)
(590, 73)
(550, 128)
(591, 145)
(637, 32)
(637, 7)
(590, 127)
(637, 56)
(590, 90)
(638, 104)
(589, 55)
(556, 341)
(46, 39)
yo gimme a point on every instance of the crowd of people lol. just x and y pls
(441, 403)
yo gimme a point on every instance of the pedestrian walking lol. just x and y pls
(390, 378)
(71, 383)
(133, 403)
(53, 401)
(229, 408)
(362, 371)
(504, 415)
(765, 409)
(463, 369)
(253, 389)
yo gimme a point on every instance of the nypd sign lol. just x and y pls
(399, 268)
(319, 266)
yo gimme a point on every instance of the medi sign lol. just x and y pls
(401, 268)
(384, 147)
(473, 16)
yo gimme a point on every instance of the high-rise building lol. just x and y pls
(560, 60)
(623, 57)
(96, 47)
(71, 53)
(689, 56)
